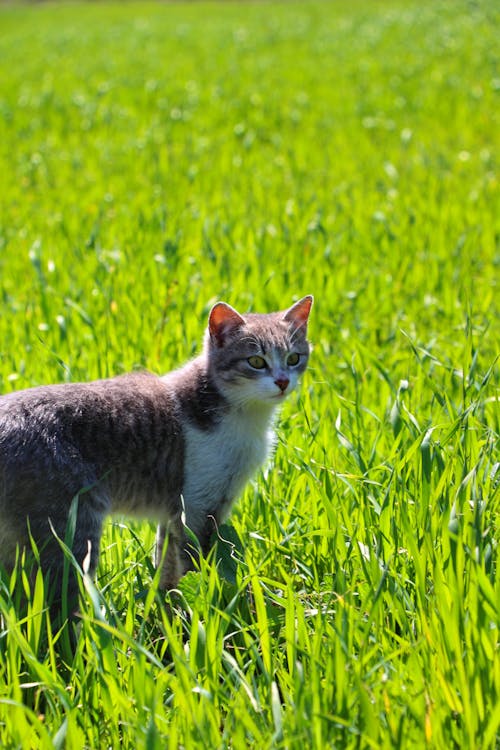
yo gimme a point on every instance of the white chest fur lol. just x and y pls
(218, 462)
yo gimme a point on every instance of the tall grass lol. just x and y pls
(155, 158)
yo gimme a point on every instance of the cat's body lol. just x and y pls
(173, 449)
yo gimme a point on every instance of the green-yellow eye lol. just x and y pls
(293, 359)
(258, 363)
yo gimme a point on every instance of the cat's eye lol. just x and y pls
(258, 363)
(293, 359)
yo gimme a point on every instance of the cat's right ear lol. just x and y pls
(223, 319)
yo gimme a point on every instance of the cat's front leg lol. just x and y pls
(177, 558)
(206, 533)
(181, 552)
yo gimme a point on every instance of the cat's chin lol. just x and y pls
(280, 395)
(276, 398)
(265, 403)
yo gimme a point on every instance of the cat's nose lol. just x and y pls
(282, 383)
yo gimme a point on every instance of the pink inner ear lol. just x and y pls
(298, 314)
(222, 320)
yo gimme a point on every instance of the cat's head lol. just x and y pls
(257, 358)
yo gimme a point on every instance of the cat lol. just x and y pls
(177, 449)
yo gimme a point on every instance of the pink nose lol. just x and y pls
(282, 383)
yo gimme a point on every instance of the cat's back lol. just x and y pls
(71, 400)
(94, 415)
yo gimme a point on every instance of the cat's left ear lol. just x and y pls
(223, 319)
(298, 314)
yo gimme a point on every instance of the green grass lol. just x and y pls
(155, 158)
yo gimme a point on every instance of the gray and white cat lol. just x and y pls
(176, 449)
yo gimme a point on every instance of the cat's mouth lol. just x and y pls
(280, 395)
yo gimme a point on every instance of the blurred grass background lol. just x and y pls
(157, 157)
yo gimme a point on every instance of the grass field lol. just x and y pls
(156, 158)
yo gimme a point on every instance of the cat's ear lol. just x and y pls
(298, 314)
(223, 320)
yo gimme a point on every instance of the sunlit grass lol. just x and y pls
(155, 158)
